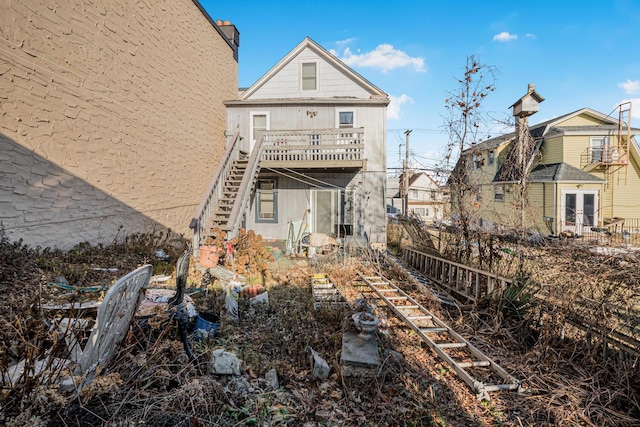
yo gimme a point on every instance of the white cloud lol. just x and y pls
(384, 57)
(346, 41)
(504, 37)
(393, 109)
(530, 36)
(631, 86)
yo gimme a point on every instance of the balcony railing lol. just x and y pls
(604, 156)
(313, 148)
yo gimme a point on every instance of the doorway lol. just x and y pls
(332, 212)
(579, 210)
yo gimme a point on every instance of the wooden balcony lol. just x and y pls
(317, 148)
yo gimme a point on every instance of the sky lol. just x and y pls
(578, 54)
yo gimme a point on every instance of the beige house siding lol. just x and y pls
(552, 151)
(112, 117)
(574, 147)
(626, 188)
(581, 120)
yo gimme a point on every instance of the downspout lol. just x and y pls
(555, 208)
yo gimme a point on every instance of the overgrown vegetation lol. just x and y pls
(569, 379)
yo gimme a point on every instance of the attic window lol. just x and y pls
(476, 161)
(309, 76)
(491, 158)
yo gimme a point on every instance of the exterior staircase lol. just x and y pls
(227, 197)
(230, 189)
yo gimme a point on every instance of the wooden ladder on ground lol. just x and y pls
(450, 346)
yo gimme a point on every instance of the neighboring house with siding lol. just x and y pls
(425, 198)
(394, 199)
(306, 150)
(582, 172)
(112, 116)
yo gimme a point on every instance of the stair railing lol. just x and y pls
(244, 191)
(201, 220)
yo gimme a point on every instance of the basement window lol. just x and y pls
(267, 201)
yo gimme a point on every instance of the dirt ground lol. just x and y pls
(151, 381)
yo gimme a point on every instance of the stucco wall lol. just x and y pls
(111, 116)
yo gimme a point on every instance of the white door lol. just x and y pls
(332, 212)
(323, 211)
(259, 123)
(579, 210)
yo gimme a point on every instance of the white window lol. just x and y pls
(498, 193)
(267, 202)
(418, 211)
(476, 161)
(433, 194)
(491, 158)
(414, 194)
(345, 119)
(309, 76)
(599, 149)
(479, 193)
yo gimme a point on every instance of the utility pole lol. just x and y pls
(405, 176)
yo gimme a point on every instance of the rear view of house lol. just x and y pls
(306, 152)
(580, 171)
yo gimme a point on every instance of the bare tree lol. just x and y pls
(466, 124)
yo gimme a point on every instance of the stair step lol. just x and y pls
(387, 290)
(397, 298)
(406, 307)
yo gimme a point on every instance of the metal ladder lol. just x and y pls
(459, 353)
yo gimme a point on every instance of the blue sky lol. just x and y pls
(578, 54)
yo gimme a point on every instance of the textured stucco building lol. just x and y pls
(111, 116)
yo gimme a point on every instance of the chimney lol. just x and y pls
(232, 34)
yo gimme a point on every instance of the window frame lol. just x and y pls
(252, 128)
(274, 201)
(603, 147)
(498, 196)
(304, 78)
(345, 110)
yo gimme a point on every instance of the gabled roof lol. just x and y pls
(535, 95)
(416, 176)
(562, 172)
(508, 173)
(307, 43)
(554, 125)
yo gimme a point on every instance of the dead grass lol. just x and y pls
(151, 381)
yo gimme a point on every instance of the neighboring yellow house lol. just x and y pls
(582, 176)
